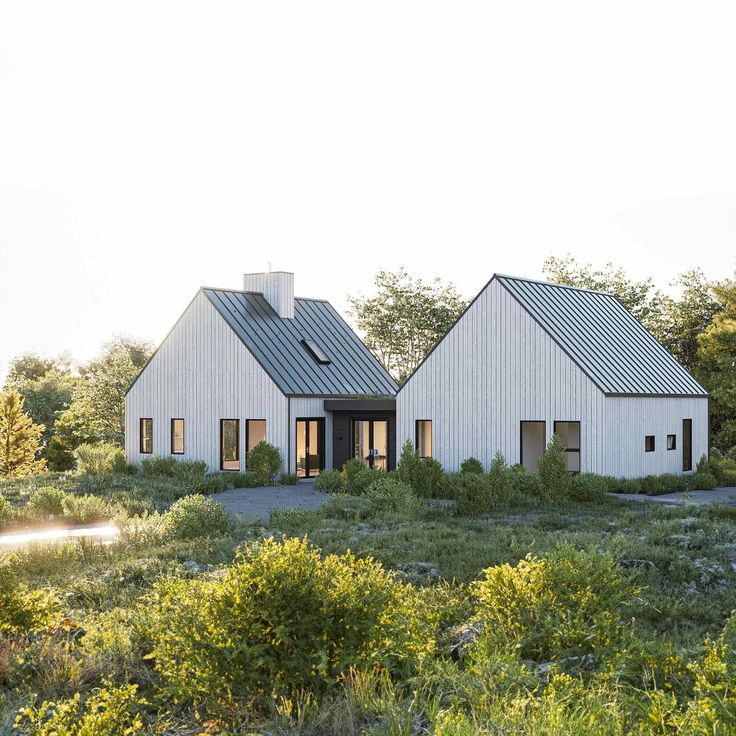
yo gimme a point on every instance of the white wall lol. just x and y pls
(203, 373)
(630, 419)
(495, 368)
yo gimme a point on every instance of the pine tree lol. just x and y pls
(19, 438)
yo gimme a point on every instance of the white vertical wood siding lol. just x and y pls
(203, 373)
(309, 408)
(495, 368)
(630, 419)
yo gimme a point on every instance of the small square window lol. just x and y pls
(649, 443)
(671, 442)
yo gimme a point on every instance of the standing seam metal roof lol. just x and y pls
(276, 345)
(604, 339)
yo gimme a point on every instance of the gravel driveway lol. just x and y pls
(257, 503)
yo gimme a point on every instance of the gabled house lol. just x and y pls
(239, 367)
(527, 359)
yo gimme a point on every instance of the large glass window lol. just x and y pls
(255, 432)
(309, 440)
(569, 434)
(533, 436)
(424, 437)
(229, 444)
(177, 436)
(370, 442)
(146, 436)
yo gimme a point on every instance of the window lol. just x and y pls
(177, 436)
(533, 435)
(649, 443)
(424, 438)
(671, 442)
(687, 444)
(569, 434)
(255, 432)
(146, 436)
(316, 352)
(229, 444)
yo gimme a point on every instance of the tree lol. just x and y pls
(717, 365)
(19, 438)
(99, 400)
(70, 431)
(404, 320)
(30, 367)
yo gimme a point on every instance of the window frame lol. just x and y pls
(315, 350)
(522, 422)
(173, 451)
(651, 437)
(673, 437)
(140, 436)
(416, 437)
(571, 449)
(222, 445)
(247, 434)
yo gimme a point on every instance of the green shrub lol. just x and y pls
(283, 620)
(159, 466)
(631, 485)
(500, 482)
(106, 711)
(99, 458)
(389, 494)
(218, 482)
(330, 481)
(589, 486)
(423, 475)
(527, 486)
(360, 481)
(23, 611)
(265, 461)
(650, 485)
(6, 511)
(569, 603)
(471, 465)
(189, 471)
(672, 483)
(471, 493)
(351, 468)
(289, 479)
(46, 502)
(85, 509)
(703, 482)
(553, 472)
(196, 516)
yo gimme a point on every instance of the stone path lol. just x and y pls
(257, 503)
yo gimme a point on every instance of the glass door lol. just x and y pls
(309, 441)
(370, 442)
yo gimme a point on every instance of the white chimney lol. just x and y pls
(277, 288)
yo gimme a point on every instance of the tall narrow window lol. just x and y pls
(569, 434)
(229, 444)
(533, 436)
(177, 436)
(255, 432)
(687, 444)
(649, 443)
(424, 438)
(146, 436)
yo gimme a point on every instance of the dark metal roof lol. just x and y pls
(276, 344)
(604, 339)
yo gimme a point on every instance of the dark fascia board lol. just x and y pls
(656, 396)
(377, 404)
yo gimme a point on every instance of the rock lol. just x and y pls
(461, 637)
(193, 566)
(634, 563)
(419, 571)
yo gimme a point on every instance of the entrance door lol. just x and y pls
(370, 442)
(309, 441)
(687, 444)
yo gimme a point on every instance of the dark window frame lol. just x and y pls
(416, 437)
(321, 440)
(316, 351)
(687, 445)
(371, 435)
(247, 434)
(222, 445)
(522, 422)
(648, 437)
(580, 439)
(672, 437)
(140, 435)
(173, 451)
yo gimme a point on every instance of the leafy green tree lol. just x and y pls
(404, 320)
(717, 365)
(70, 431)
(99, 399)
(19, 438)
(29, 367)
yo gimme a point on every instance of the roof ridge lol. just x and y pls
(552, 283)
(233, 291)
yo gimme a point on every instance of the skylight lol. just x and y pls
(316, 352)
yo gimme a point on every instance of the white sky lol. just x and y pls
(148, 148)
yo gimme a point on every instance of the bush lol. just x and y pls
(471, 465)
(351, 468)
(389, 494)
(6, 511)
(631, 485)
(703, 482)
(265, 461)
(330, 481)
(289, 479)
(23, 611)
(190, 471)
(85, 509)
(99, 458)
(589, 486)
(500, 481)
(284, 620)
(360, 482)
(527, 486)
(196, 516)
(553, 473)
(423, 475)
(216, 483)
(650, 485)
(567, 604)
(46, 502)
(159, 466)
(470, 491)
(107, 711)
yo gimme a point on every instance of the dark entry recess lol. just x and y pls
(310, 442)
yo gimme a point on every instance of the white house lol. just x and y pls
(527, 359)
(259, 364)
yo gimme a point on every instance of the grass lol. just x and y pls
(683, 560)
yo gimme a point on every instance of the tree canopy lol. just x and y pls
(20, 438)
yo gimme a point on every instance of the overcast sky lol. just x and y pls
(148, 148)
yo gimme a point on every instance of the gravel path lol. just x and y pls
(693, 498)
(257, 503)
